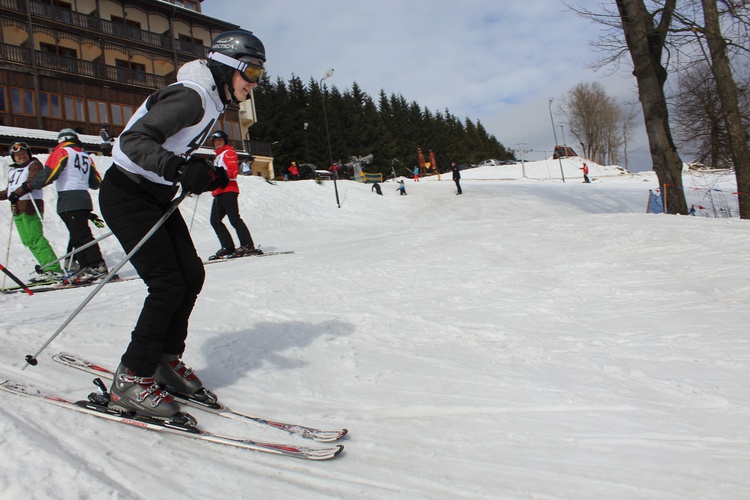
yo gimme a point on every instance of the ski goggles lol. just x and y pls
(18, 146)
(253, 74)
(250, 72)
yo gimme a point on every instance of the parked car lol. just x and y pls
(307, 171)
(489, 163)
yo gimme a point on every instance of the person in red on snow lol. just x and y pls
(334, 169)
(225, 203)
(293, 172)
(585, 169)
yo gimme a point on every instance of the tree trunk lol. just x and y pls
(727, 88)
(646, 43)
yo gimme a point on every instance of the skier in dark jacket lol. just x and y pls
(152, 160)
(457, 177)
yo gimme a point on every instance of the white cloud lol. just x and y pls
(481, 59)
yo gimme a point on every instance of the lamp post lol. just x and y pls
(329, 74)
(307, 151)
(554, 132)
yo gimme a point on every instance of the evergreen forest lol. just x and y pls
(390, 130)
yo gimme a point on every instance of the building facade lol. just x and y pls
(80, 63)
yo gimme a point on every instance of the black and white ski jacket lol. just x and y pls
(173, 121)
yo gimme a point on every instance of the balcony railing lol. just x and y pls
(78, 67)
(259, 148)
(93, 23)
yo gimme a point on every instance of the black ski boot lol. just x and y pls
(223, 253)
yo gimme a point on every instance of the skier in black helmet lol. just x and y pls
(152, 160)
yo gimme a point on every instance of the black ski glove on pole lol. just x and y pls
(196, 175)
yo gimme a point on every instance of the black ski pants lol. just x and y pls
(168, 263)
(225, 205)
(77, 222)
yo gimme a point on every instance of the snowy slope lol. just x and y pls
(529, 339)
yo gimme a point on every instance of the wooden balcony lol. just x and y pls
(90, 24)
(81, 68)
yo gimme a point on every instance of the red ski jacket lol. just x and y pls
(226, 157)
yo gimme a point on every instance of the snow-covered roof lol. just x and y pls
(16, 133)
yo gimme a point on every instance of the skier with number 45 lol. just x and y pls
(152, 160)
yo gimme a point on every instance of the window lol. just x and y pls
(121, 63)
(49, 105)
(121, 113)
(130, 71)
(98, 112)
(60, 51)
(74, 109)
(234, 131)
(22, 101)
(59, 57)
(3, 103)
(126, 22)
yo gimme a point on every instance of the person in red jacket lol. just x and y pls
(585, 169)
(225, 204)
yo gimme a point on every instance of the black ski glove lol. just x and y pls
(22, 190)
(196, 175)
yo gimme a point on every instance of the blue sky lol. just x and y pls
(497, 62)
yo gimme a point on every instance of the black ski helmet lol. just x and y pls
(233, 50)
(220, 134)
(67, 135)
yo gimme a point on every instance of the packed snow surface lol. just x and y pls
(530, 339)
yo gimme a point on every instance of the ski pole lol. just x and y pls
(195, 209)
(39, 268)
(39, 213)
(31, 359)
(7, 253)
(13, 277)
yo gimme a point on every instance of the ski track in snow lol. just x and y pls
(529, 339)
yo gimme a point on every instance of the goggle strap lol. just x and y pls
(229, 61)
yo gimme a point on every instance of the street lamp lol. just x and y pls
(307, 151)
(329, 74)
(554, 132)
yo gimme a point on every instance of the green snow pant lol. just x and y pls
(31, 232)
